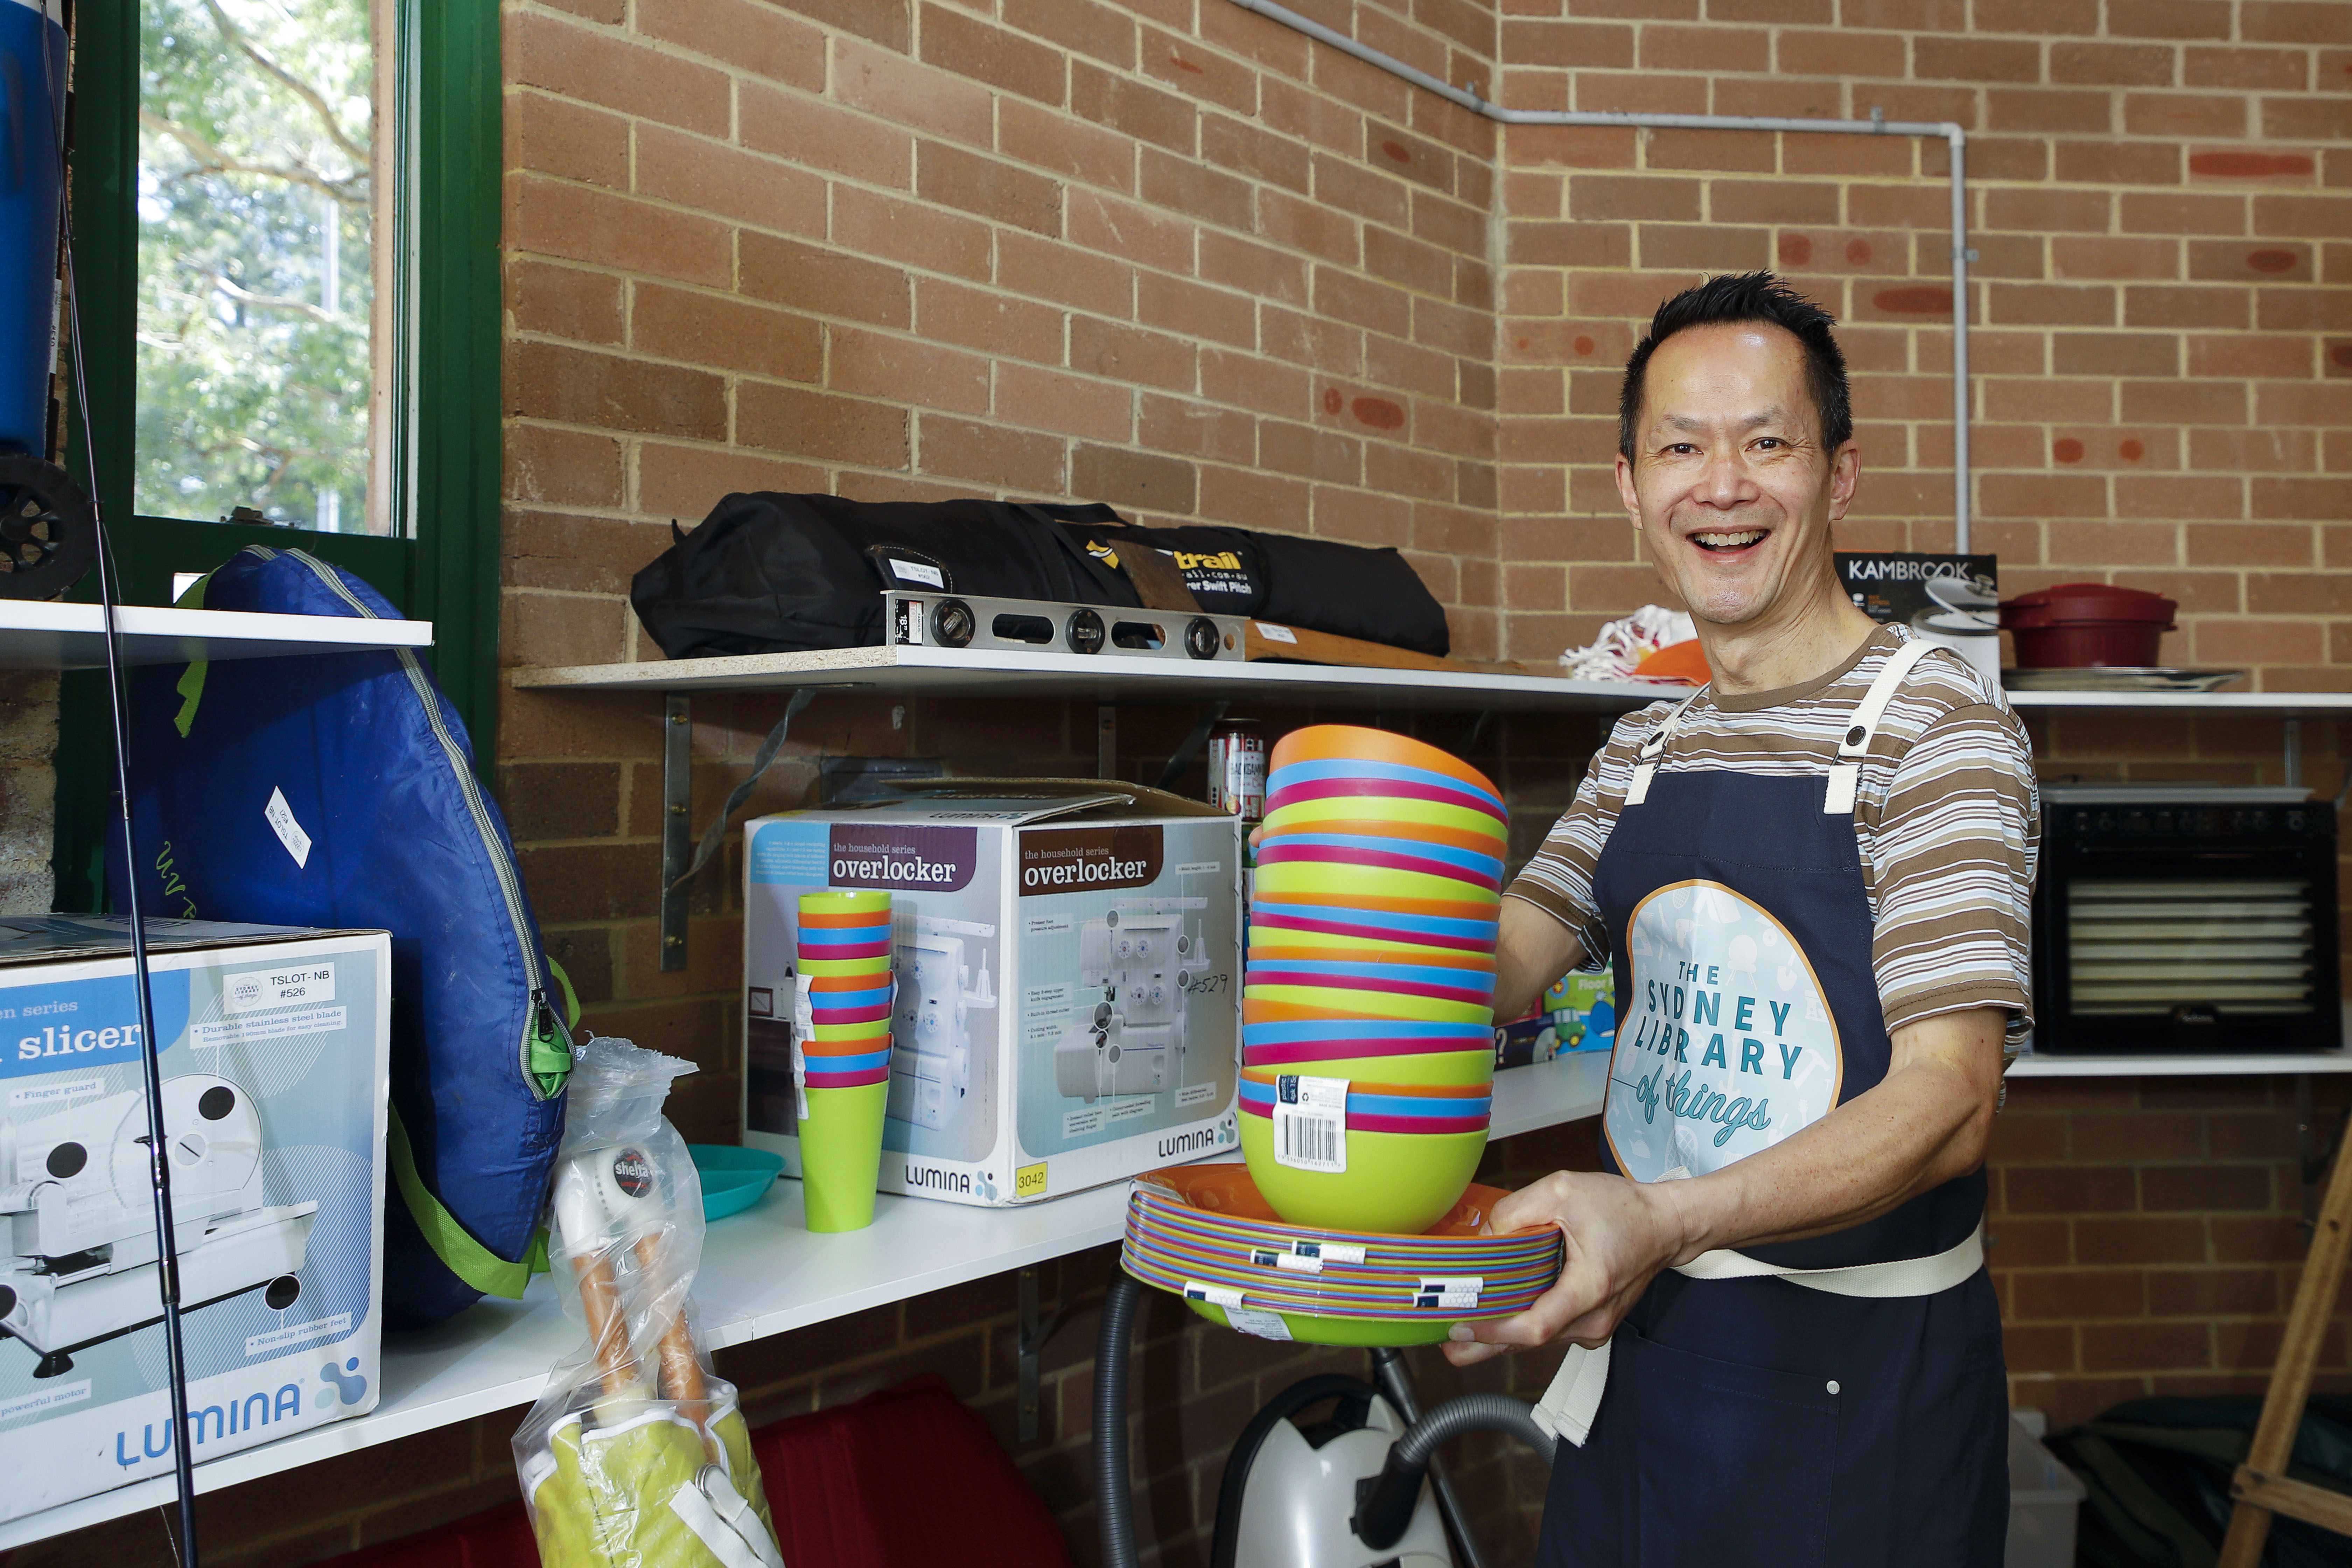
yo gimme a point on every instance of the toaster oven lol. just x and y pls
(2184, 919)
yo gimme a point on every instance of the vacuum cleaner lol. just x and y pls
(1353, 1490)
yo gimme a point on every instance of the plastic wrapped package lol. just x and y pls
(636, 1455)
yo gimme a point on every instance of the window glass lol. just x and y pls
(260, 339)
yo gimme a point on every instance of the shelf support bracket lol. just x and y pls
(1033, 1334)
(678, 828)
(1106, 740)
(2294, 759)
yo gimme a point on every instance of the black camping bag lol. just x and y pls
(1320, 584)
(2158, 1471)
(772, 573)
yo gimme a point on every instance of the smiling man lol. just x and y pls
(1814, 876)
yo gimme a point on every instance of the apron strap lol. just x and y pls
(1645, 760)
(1570, 1405)
(1845, 773)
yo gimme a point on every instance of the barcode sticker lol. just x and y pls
(1215, 1295)
(1460, 1291)
(1252, 1321)
(1329, 1251)
(1310, 1123)
(1298, 1263)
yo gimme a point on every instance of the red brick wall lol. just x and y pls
(1165, 254)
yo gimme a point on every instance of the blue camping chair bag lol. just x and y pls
(339, 791)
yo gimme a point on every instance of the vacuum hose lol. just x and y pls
(1387, 1504)
(1114, 1497)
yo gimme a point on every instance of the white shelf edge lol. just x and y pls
(2244, 1065)
(56, 635)
(996, 672)
(746, 1292)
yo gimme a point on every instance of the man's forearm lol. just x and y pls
(1924, 1124)
(1532, 951)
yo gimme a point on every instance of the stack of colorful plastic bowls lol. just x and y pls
(1206, 1233)
(1412, 1150)
(1371, 959)
(844, 956)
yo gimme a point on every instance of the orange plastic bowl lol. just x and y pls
(1350, 742)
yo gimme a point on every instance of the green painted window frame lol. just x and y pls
(449, 572)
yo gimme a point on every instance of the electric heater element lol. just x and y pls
(75, 1193)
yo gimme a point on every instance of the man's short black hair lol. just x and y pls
(1748, 297)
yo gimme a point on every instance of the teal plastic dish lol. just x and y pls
(733, 1179)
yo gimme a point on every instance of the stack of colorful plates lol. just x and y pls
(1371, 959)
(844, 959)
(1205, 1232)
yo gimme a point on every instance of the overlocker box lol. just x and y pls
(1067, 956)
(275, 1053)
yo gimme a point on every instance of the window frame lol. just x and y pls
(449, 311)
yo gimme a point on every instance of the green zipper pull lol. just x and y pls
(551, 1048)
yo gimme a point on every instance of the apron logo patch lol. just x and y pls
(1727, 1045)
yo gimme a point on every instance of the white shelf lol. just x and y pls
(763, 1273)
(1124, 678)
(1565, 1089)
(2273, 704)
(47, 635)
(1108, 678)
(2239, 1065)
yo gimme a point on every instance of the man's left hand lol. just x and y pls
(1620, 1233)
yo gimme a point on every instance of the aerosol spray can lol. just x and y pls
(1237, 768)
(1237, 784)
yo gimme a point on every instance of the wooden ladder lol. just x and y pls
(2262, 1487)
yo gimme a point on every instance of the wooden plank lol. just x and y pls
(1267, 640)
(2307, 1326)
(2296, 1500)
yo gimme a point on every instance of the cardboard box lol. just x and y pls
(275, 1045)
(1944, 598)
(1579, 1013)
(1068, 957)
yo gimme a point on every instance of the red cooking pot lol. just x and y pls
(2077, 626)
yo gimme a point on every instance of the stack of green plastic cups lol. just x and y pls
(845, 1048)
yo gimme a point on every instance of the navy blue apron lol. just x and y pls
(1758, 1422)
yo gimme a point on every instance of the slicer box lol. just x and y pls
(1067, 956)
(275, 1045)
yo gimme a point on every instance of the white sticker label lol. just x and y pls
(1252, 1320)
(1310, 1123)
(916, 572)
(803, 1028)
(296, 1333)
(1329, 1251)
(1296, 1262)
(257, 989)
(280, 818)
(36, 1095)
(248, 1031)
(1461, 1293)
(42, 1399)
(1273, 633)
(1215, 1295)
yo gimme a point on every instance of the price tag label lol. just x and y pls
(1310, 1123)
(1215, 1295)
(1271, 1257)
(1252, 1321)
(1460, 1293)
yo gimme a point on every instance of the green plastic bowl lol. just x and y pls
(733, 1179)
(1399, 1183)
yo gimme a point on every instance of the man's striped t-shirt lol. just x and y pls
(1948, 820)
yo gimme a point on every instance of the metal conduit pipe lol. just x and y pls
(1951, 133)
